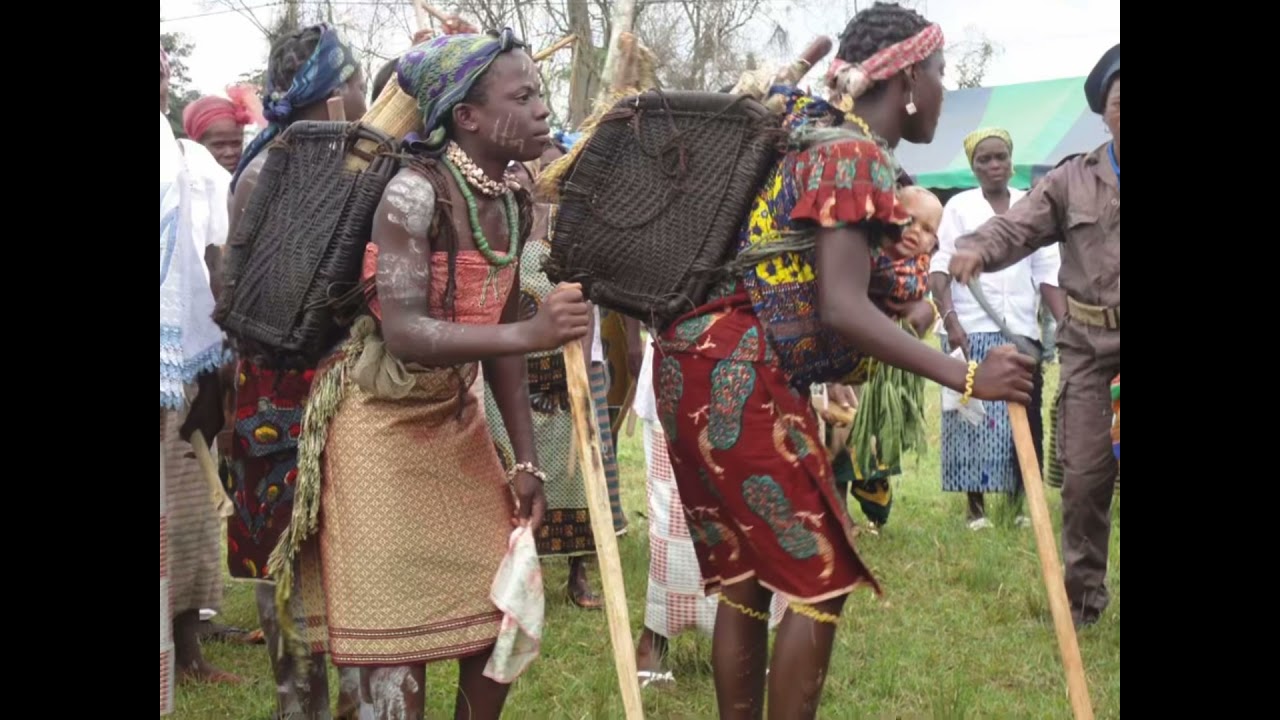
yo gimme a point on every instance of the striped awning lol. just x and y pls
(1048, 121)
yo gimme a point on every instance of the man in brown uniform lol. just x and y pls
(1079, 204)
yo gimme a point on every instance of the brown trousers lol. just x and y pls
(1090, 359)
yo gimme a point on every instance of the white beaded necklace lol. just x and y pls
(476, 177)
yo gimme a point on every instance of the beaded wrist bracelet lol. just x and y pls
(968, 382)
(526, 467)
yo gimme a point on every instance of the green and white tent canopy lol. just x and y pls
(1048, 121)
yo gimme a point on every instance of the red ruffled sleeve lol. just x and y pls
(847, 181)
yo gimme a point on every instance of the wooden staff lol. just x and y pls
(1077, 686)
(424, 18)
(423, 10)
(444, 19)
(586, 433)
(210, 470)
(421, 7)
(625, 411)
(337, 109)
(556, 47)
(631, 424)
(841, 420)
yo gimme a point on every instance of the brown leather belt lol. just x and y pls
(1093, 315)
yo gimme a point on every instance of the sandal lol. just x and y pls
(980, 524)
(210, 631)
(648, 677)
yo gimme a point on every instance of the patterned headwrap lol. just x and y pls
(852, 80)
(972, 140)
(330, 65)
(242, 109)
(441, 71)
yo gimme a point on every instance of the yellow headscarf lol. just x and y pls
(972, 139)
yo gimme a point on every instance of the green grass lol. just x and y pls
(964, 630)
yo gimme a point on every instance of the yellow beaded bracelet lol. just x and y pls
(968, 382)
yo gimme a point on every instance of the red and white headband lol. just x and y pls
(852, 80)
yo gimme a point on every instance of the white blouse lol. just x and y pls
(209, 184)
(1013, 292)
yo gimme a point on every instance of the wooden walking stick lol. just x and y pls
(615, 427)
(555, 47)
(1077, 686)
(587, 436)
(210, 470)
(337, 109)
(422, 16)
(447, 21)
(419, 5)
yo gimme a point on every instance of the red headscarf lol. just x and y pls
(852, 80)
(243, 108)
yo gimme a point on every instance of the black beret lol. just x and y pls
(1099, 80)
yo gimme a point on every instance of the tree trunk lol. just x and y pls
(290, 18)
(624, 21)
(584, 75)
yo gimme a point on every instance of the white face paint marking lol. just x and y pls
(503, 134)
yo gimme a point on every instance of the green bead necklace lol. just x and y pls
(477, 232)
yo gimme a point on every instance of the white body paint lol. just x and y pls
(389, 687)
(414, 200)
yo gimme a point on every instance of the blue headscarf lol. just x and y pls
(441, 71)
(567, 138)
(330, 65)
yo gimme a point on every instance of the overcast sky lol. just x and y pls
(1041, 39)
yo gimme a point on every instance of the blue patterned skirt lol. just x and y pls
(982, 458)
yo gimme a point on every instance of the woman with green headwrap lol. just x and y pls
(979, 457)
(417, 510)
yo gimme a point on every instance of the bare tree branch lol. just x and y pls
(242, 8)
(972, 57)
(699, 44)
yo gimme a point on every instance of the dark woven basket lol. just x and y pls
(293, 270)
(652, 208)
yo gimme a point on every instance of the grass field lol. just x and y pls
(964, 630)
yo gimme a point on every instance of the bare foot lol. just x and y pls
(203, 673)
(650, 653)
(579, 589)
(191, 664)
